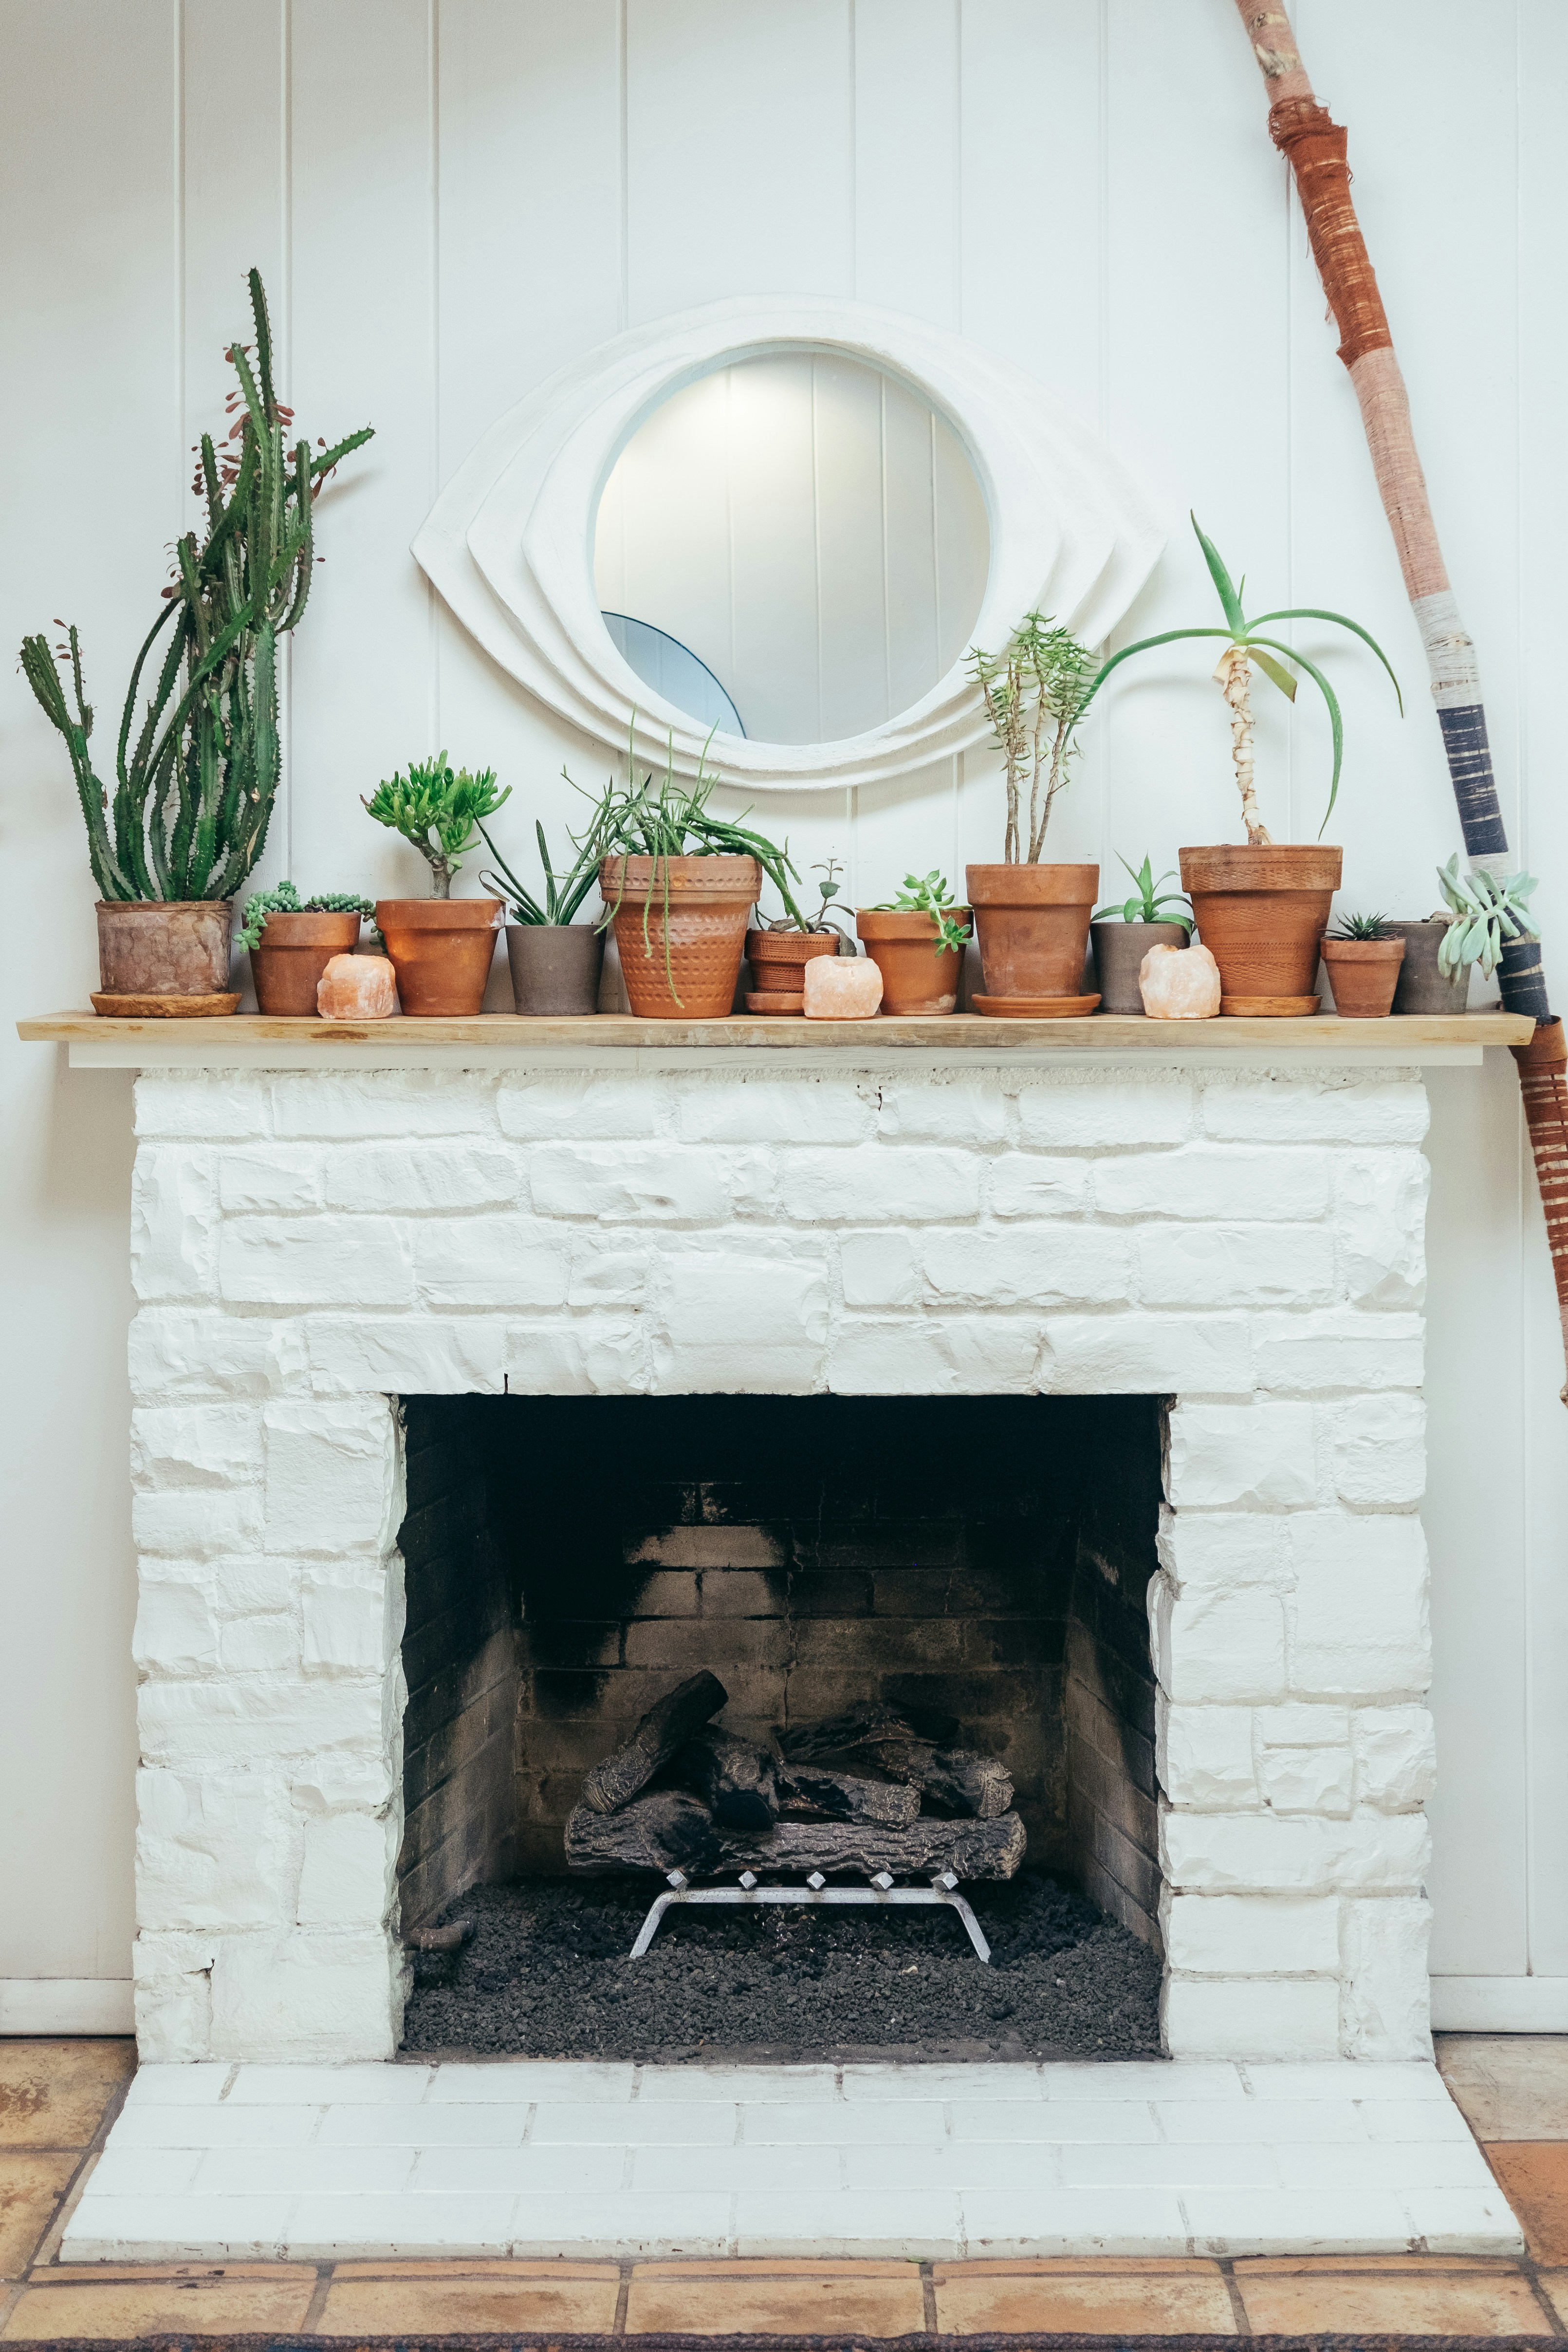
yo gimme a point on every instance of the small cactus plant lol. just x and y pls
(194, 781)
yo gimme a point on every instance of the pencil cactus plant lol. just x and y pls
(196, 772)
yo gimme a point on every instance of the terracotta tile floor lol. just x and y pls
(57, 2099)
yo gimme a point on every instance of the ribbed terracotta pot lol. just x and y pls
(918, 977)
(680, 929)
(1119, 952)
(1422, 986)
(555, 968)
(778, 961)
(442, 950)
(164, 947)
(294, 950)
(1364, 975)
(1032, 923)
(1261, 914)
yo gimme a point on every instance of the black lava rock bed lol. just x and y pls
(547, 1975)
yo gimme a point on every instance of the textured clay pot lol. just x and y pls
(680, 928)
(1362, 974)
(1119, 950)
(441, 949)
(1421, 987)
(1032, 922)
(1261, 914)
(555, 968)
(293, 953)
(778, 961)
(164, 947)
(917, 976)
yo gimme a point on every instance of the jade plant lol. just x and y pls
(440, 812)
(1488, 909)
(1150, 902)
(196, 770)
(928, 893)
(1244, 645)
(1035, 692)
(285, 900)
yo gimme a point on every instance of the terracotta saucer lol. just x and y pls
(1035, 1008)
(1270, 1008)
(162, 1008)
(774, 1001)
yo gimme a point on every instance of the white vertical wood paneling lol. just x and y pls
(450, 198)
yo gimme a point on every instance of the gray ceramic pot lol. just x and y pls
(1422, 987)
(555, 967)
(1119, 950)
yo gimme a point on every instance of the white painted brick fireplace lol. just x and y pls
(1247, 1241)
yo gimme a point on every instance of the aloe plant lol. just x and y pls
(1244, 645)
(440, 812)
(565, 890)
(193, 792)
(1149, 898)
(1361, 927)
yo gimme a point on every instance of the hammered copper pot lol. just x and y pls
(164, 947)
(442, 950)
(1032, 924)
(680, 929)
(294, 950)
(1262, 913)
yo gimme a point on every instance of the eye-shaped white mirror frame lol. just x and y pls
(510, 542)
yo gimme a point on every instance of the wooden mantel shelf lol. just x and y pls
(498, 1039)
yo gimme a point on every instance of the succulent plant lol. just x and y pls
(928, 893)
(1150, 897)
(1361, 927)
(1489, 910)
(194, 783)
(285, 900)
(440, 812)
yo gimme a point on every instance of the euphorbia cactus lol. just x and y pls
(194, 792)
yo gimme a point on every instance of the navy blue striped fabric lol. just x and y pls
(1474, 786)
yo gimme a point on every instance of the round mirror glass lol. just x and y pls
(793, 548)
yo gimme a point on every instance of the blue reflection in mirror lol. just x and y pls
(673, 671)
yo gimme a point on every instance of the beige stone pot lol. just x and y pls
(164, 947)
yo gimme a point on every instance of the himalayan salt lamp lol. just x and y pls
(842, 988)
(357, 988)
(1179, 984)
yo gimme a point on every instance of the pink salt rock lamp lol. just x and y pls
(357, 988)
(1179, 984)
(842, 988)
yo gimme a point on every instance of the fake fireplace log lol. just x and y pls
(725, 1804)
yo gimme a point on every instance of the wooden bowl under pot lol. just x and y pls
(442, 950)
(680, 929)
(1262, 913)
(1362, 974)
(1032, 924)
(918, 977)
(294, 950)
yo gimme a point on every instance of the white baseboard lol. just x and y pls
(66, 2005)
(1500, 2004)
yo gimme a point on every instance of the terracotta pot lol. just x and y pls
(164, 947)
(1032, 922)
(778, 958)
(555, 968)
(1421, 987)
(1362, 974)
(1119, 950)
(291, 955)
(442, 950)
(680, 928)
(917, 976)
(1260, 914)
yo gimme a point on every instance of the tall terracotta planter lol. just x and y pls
(680, 929)
(165, 957)
(1261, 914)
(1032, 923)
(778, 962)
(294, 950)
(918, 978)
(442, 950)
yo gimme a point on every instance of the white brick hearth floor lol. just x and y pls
(528, 2158)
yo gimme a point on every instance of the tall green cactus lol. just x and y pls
(193, 794)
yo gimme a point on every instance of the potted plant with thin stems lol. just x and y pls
(442, 947)
(678, 883)
(1262, 906)
(291, 940)
(779, 949)
(1032, 918)
(555, 960)
(916, 940)
(177, 831)
(1123, 933)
